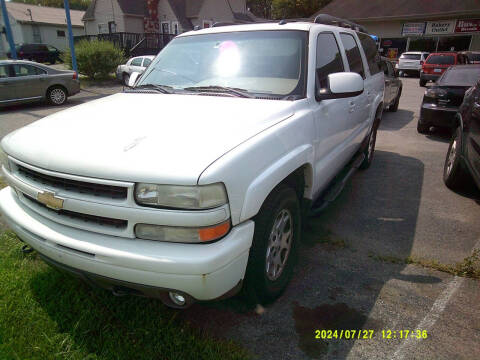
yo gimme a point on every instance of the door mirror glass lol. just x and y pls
(133, 79)
(341, 85)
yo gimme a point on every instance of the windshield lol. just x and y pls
(460, 76)
(410, 56)
(268, 63)
(441, 59)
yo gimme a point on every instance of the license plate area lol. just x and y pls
(437, 70)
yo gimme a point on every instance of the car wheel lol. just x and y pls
(275, 241)
(57, 95)
(394, 106)
(369, 148)
(422, 83)
(52, 61)
(126, 78)
(454, 175)
(423, 128)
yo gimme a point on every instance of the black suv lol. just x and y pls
(37, 52)
(463, 154)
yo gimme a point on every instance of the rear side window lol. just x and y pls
(136, 62)
(371, 53)
(329, 59)
(411, 56)
(353, 54)
(27, 70)
(441, 59)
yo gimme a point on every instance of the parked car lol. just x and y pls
(190, 185)
(463, 155)
(442, 100)
(40, 53)
(137, 64)
(473, 57)
(411, 62)
(25, 81)
(393, 86)
(437, 63)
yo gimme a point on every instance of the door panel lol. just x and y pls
(7, 92)
(29, 82)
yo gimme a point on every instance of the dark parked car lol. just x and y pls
(393, 85)
(463, 154)
(37, 52)
(442, 100)
(25, 81)
(437, 63)
(473, 57)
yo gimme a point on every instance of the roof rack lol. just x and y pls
(332, 20)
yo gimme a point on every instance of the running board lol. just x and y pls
(337, 185)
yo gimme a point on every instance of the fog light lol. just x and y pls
(177, 298)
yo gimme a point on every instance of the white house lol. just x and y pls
(39, 24)
(162, 16)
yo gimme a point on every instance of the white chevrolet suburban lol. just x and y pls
(193, 182)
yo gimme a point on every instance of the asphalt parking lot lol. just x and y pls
(351, 273)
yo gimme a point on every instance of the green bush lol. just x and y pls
(95, 59)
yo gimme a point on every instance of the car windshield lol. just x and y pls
(441, 59)
(460, 76)
(410, 56)
(258, 63)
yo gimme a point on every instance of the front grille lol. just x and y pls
(99, 220)
(82, 187)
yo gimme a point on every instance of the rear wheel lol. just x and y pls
(273, 252)
(454, 175)
(57, 95)
(423, 128)
(369, 148)
(394, 106)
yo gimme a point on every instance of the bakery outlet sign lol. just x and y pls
(442, 27)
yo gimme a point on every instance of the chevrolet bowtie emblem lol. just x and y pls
(50, 200)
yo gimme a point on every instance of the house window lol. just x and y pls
(207, 24)
(103, 28)
(60, 33)
(175, 28)
(166, 27)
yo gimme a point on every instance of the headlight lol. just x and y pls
(182, 234)
(181, 197)
(435, 93)
(4, 159)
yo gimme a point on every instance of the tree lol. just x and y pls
(287, 9)
(261, 8)
(74, 4)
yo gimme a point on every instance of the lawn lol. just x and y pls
(45, 314)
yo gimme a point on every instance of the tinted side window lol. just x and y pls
(27, 70)
(371, 53)
(146, 62)
(329, 59)
(353, 54)
(4, 72)
(136, 62)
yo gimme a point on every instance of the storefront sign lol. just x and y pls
(464, 26)
(413, 28)
(440, 27)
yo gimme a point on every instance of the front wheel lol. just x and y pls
(423, 128)
(454, 175)
(422, 83)
(394, 106)
(126, 78)
(273, 252)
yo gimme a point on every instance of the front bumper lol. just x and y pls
(435, 115)
(202, 271)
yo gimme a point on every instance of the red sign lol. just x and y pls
(464, 26)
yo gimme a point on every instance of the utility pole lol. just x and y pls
(70, 35)
(8, 30)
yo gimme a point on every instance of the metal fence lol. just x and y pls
(133, 44)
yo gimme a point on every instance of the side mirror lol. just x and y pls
(341, 85)
(133, 79)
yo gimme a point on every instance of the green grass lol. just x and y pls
(45, 314)
(468, 267)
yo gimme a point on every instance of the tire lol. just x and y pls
(57, 95)
(125, 78)
(454, 174)
(52, 61)
(394, 106)
(369, 149)
(423, 128)
(422, 82)
(262, 283)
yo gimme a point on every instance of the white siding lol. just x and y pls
(104, 14)
(214, 11)
(166, 15)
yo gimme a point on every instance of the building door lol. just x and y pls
(454, 43)
(37, 37)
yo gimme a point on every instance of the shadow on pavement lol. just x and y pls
(396, 120)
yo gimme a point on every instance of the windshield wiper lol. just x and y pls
(235, 91)
(164, 89)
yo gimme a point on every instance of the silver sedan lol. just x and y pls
(27, 81)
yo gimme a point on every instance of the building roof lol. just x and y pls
(133, 7)
(401, 9)
(193, 7)
(27, 13)
(179, 8)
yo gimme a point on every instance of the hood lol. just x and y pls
(144, 137)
